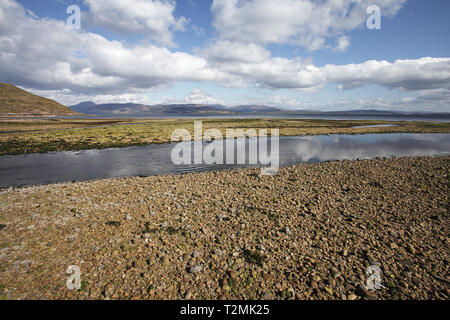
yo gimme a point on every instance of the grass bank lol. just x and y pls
(41, 136)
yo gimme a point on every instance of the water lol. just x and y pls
(156, 159)
(399, 117)
(376, 126)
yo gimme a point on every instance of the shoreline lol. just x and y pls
(20, 137)
(218, 171)
(309, 232)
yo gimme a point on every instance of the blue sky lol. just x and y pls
(283, 53)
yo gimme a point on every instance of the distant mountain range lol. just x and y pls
(132, 109)
(17, 102)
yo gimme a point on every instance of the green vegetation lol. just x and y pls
(147, 228)
(83, 287)
(170, 230)
(253, 257)
(41, 136)
(15, 125)
(113, 223)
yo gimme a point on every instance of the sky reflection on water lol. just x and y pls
(155, 159)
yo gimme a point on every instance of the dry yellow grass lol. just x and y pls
(21, 137)
(17, 101)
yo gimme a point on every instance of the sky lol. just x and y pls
(292, 54)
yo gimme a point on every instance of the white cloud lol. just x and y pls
(306, 23)
(44, 54)
(437, 99)
(428, 100)
(68, 98)
(407, 74)
(152, 18)
(342, 43)
(253, 65)
(197, 96)
(199, 32)
(224, 51)
(435, 95)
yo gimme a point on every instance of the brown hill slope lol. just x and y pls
(15, 101)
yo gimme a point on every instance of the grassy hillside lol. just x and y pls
(15, 101)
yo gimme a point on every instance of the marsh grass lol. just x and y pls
(113, 223)
(253, 257)
(42, 136)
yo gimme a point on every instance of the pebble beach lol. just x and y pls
(309, 232)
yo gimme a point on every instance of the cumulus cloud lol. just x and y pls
(152, 18)
(254, 65)
(223, 51)
(429, 100)
(44, 54)
(435, 95)
(406, 74)
(69, 98)
(197, 96)
(342, 43)
(306, 23)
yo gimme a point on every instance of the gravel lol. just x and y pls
(309, 232)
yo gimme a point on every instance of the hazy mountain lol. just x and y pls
(84, 106)
(15, 101)
(132, 109)
(255, 109)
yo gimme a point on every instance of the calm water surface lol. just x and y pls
(429, 118)
(156, 159)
